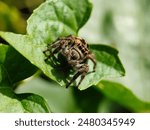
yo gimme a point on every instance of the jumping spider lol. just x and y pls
(76, 52)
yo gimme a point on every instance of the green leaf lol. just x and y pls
(123, 96)
(108, 65)
(21, 103)
(46, 24)
(82, 14)
(56, 18)
(30, 50)
(13, 66)
(33, 103)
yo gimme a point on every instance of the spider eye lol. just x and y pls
(80, 47)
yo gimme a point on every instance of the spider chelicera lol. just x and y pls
(76, 52)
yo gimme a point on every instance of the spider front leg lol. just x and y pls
(91, 57)
(82, 70)
(57, 47)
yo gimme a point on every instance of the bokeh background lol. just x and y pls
(123, 24)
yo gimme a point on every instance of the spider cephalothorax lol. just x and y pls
(76, 52)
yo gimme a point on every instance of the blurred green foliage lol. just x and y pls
(124, 24)
(10, 19)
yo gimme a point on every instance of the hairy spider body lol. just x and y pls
(76, 52)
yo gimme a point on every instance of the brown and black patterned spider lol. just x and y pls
(76, 52)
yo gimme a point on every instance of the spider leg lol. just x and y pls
(56, 45)
(91, 57)
(83, 69)
(75, 63)
(73, 79)
(52, 53)
(82, 77)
